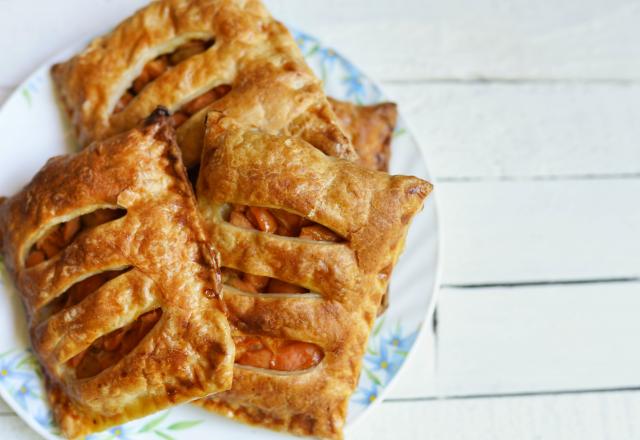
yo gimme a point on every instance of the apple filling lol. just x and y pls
(78, 292)
(280, 222)
(276, 354)
(109, 349)
(64, 233)
(198, 103)
(258, 284)
(156, 67)
(266, 352)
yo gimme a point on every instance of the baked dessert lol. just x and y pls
(121, 289)
(370, 129)
(308, 243)
(193, 56)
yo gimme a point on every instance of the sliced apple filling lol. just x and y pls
(280, 222)
(64, 233)
(258, 284)
(109, 349)
(276, 354)
(161, 64)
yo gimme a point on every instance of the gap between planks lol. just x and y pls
(628, 389)
(545, 339)
(534, 178)
(517, 284)
(513, 81)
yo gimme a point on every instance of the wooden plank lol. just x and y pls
(575, 416)
(501, 232)
(14, 428)
(498, 131)
(430, 39)
(413, 40)
(504, 340)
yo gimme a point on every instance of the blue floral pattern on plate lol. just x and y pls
(341, 78)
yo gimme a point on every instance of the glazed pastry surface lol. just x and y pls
(245, 64)
(343, 280)
(124, 311)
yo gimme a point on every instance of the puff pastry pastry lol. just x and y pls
(370, 129)
(122, 291)
(301, 307)
(193, 56)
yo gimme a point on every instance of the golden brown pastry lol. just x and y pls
(121, 289)
(308, 243)
(193, 56)
(370, 129)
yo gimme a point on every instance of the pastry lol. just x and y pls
(121, 289)
(370, 129)
(193, 56)
(308, 243)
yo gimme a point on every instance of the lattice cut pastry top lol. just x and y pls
(189, 351)
(370, 210)
(271, 85)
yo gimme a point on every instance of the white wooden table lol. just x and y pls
(529, 113)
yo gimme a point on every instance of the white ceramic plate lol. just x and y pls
(32, 129)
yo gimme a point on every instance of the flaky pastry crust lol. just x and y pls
(370, 129)
(271, 85)
(369, 209)
(189, 352)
